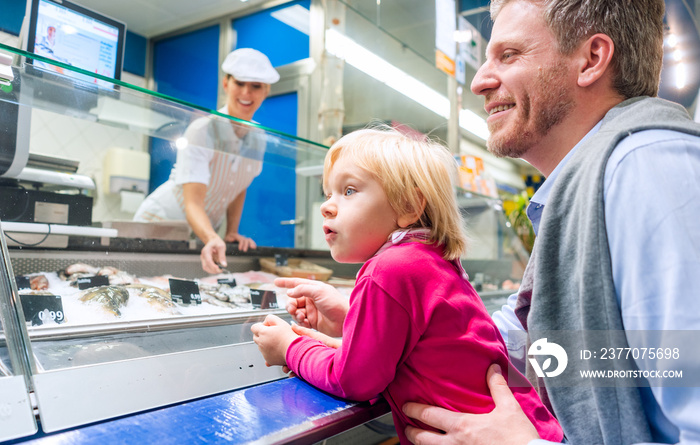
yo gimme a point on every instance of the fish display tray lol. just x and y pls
(296, 267)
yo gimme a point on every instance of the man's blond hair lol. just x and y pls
(409, 170)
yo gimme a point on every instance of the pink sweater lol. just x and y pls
(415, 331)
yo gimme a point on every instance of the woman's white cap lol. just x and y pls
(250, 65)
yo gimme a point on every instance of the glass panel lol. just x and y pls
(396, 83)
(76, 162)
(87, 147)
(101, 137)
(412, 24)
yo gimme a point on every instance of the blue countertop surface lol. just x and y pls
(283, 411)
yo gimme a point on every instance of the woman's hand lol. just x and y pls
(273, 337)
(244, 243)
(213, 253)
(314, 304)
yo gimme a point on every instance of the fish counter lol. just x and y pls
(108, 287)
(126, 340)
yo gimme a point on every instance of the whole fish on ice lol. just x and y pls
(156, 297)
(110, 297)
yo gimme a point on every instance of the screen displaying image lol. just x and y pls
(75, 39)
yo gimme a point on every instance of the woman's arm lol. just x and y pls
(214, 249)
(233, 220)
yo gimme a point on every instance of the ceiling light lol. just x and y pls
(463, 36)
(371, 64)
(181, 143)
(295, 16)
(681, 76)
(677, 55)
(672, 40)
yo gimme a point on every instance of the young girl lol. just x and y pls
(415, 329)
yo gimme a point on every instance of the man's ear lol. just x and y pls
(410, 218)
(595, 55)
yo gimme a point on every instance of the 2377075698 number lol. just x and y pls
(639, 353)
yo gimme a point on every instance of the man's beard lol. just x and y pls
(554, 103)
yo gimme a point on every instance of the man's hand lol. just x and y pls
(213, 253)
(314, 304)
(244, 243)
(506, 424)
(273, 337)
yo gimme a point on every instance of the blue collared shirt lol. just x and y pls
(652, 208)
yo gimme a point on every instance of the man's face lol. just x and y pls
(526, 82)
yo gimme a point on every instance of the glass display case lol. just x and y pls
(102, 316)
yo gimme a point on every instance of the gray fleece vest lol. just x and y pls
(568, 282)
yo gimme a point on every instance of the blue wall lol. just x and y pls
(278, 41)
(11, 15)
(135, 54)
(184, 67)
(272, 196)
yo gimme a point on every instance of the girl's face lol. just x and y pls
(357, 215)
(244, 98)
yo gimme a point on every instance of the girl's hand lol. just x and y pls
(314, 304)
(323, 338)
(273, 337)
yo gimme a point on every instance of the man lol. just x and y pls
(568, 86)
(48, 41)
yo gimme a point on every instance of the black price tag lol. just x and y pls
(22, 282)
(229, 281)
(263, 299)
(93, 281)
(281, 259)
(39, 309)
(185, 291)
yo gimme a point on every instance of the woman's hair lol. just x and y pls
(409, 170)
(635, 27)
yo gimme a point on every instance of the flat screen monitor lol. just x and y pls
(77, 36)
(72, 34)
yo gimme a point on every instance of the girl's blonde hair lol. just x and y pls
(409, 170)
